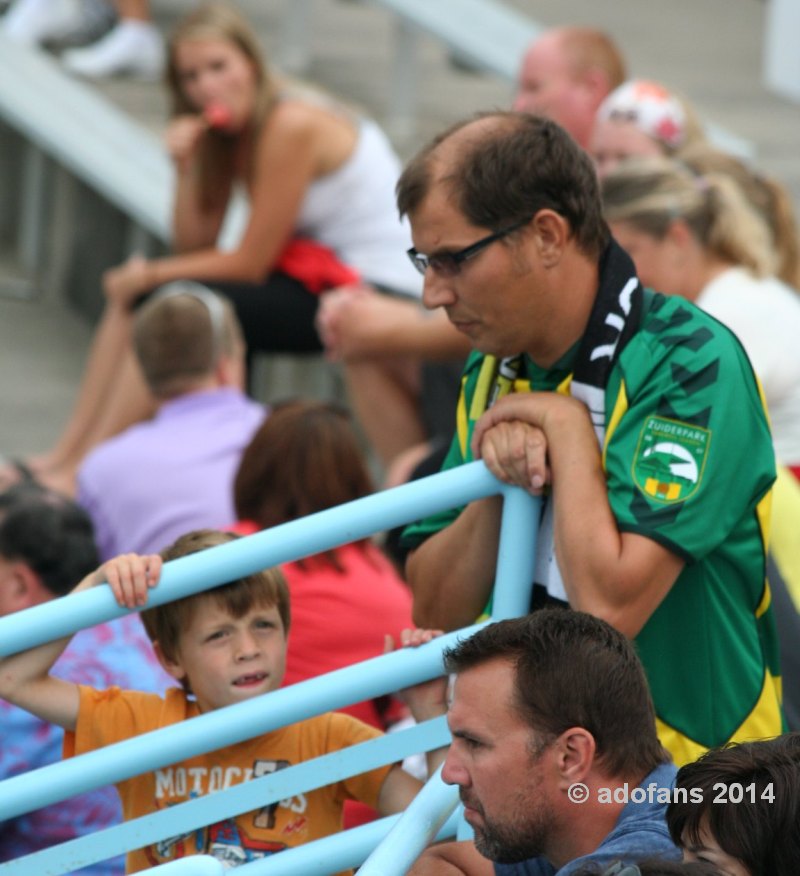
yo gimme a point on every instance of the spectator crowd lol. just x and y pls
(581, 291)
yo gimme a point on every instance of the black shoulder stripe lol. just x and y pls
(701, 419)
(691, 381)
(694, 341)
(645, 514)
(675, 320)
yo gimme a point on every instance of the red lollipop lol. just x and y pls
(217, 115)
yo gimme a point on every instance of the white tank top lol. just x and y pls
(353, 211)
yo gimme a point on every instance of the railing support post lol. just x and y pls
(428, 811)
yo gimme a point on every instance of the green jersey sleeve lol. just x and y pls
(691, 454)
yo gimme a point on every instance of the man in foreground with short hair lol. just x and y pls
(566, 74)
(553, 728)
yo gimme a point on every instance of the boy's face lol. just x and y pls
(226, 659)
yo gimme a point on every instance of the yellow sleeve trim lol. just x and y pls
(785, 533)
(764, 722)
(620, 407)
(462, 424)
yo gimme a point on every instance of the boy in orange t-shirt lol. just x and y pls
(224, 646)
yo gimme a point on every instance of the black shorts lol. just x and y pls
(277, 316)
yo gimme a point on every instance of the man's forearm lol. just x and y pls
(620, 577)
(587, 538)
(451, 574)
(616, 576)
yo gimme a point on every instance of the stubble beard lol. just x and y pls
(514, 842)
(506, 847)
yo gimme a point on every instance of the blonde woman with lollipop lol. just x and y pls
(310, 169)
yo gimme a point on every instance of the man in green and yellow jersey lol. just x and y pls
(636, 416)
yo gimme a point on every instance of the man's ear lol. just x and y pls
(171, 667)
(551, 232)
(575, 754)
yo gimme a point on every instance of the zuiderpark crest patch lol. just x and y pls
(670, 458)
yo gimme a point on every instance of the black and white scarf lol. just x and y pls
(614, 319)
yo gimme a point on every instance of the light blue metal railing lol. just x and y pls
(348, 848)
(419, 824)
(244, 720)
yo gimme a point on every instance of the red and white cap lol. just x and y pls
(650, 107)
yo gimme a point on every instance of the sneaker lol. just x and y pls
(97, 19)
(130, 48)
(33, 22)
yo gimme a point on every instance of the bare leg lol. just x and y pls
(129, 402)
(384, 397)
(134, 46)
(103, 365)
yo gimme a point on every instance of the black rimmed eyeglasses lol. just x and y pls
(448, 264)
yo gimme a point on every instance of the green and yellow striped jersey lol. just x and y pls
(689, 463)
